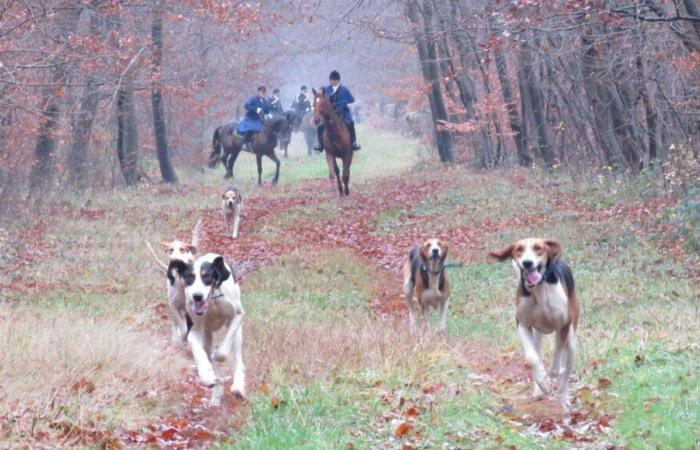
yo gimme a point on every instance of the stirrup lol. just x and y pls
(318, 148)
(355, 146)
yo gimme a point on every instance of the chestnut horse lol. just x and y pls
(335, 140)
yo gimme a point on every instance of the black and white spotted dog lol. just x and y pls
(213, 302)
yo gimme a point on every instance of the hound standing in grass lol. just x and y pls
(545, 303)
(177, 250)
(231, 209)
(213, 302)
(424, 273)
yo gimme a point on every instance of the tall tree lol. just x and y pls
(52, 98)
(421, 19)
(83, 120)
(167, 171)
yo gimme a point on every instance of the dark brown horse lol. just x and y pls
(263, 144)
(304, 122)
(335, 140)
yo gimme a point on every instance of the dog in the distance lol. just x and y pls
(213, 302)
(177, 251)
(231, 209)
(545, 303)
(424, 275)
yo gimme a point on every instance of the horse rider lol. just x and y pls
(275, 103)
(255, 109)
(301, 104)
(340, 97)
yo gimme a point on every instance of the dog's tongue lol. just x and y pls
(533, 277)
(201, 307)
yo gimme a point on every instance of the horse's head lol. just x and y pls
(281, 124)
(322, 105)
(294, 119)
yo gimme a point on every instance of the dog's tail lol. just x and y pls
(161, 265)
(195, 233)
(215, 155)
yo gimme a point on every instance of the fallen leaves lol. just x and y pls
(403, 429)
(84, 385)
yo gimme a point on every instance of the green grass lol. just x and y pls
(338, 370)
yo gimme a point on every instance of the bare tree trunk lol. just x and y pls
(431, 74)
(127, 134)
(532, 84)
(82, 122)
(524, 157)
(127, 125)
(482, 142)
(610, 105)
(167, 171)
(52, 100)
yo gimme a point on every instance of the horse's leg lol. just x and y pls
(276, 160)
(336, 169)
(347, 161)
(258, 159)
(231, 160)
(330, 160)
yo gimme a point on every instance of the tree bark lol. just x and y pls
(523, 153)
(482, 142)
(167, 171)
(127, 134)
(52, 101)
(532, 84)
(82, 123)
(427, 55)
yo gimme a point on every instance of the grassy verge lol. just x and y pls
(85, 329)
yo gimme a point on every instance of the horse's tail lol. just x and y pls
(215, 155)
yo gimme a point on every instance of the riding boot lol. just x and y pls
(247, 141)
(353, 137)
(319, 141)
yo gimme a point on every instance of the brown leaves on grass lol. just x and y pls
(403, 429)
(84, 385)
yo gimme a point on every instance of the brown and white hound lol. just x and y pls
(545, 302)
(424, 273)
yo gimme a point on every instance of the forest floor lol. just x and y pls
(86, 358)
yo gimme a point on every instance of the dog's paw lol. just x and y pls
(219, 355)
(565, 402)
(537, 392)
(238, 386)
(554, 372)
(216, 394)
(238, 392)
(209, 378)
(541, 381)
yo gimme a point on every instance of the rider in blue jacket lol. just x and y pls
(340, 98)
(255, 109)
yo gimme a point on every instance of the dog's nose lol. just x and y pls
(197, 297)
(527, 264)
(436, 252)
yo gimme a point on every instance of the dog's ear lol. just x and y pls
(425, 248)
(166, 245)
(222, 273)
(223, 196)
(553, 249)
(176, 267)
(192, 248)
(313, 90)
(239, 197)
(502, 254)
(445, 249)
